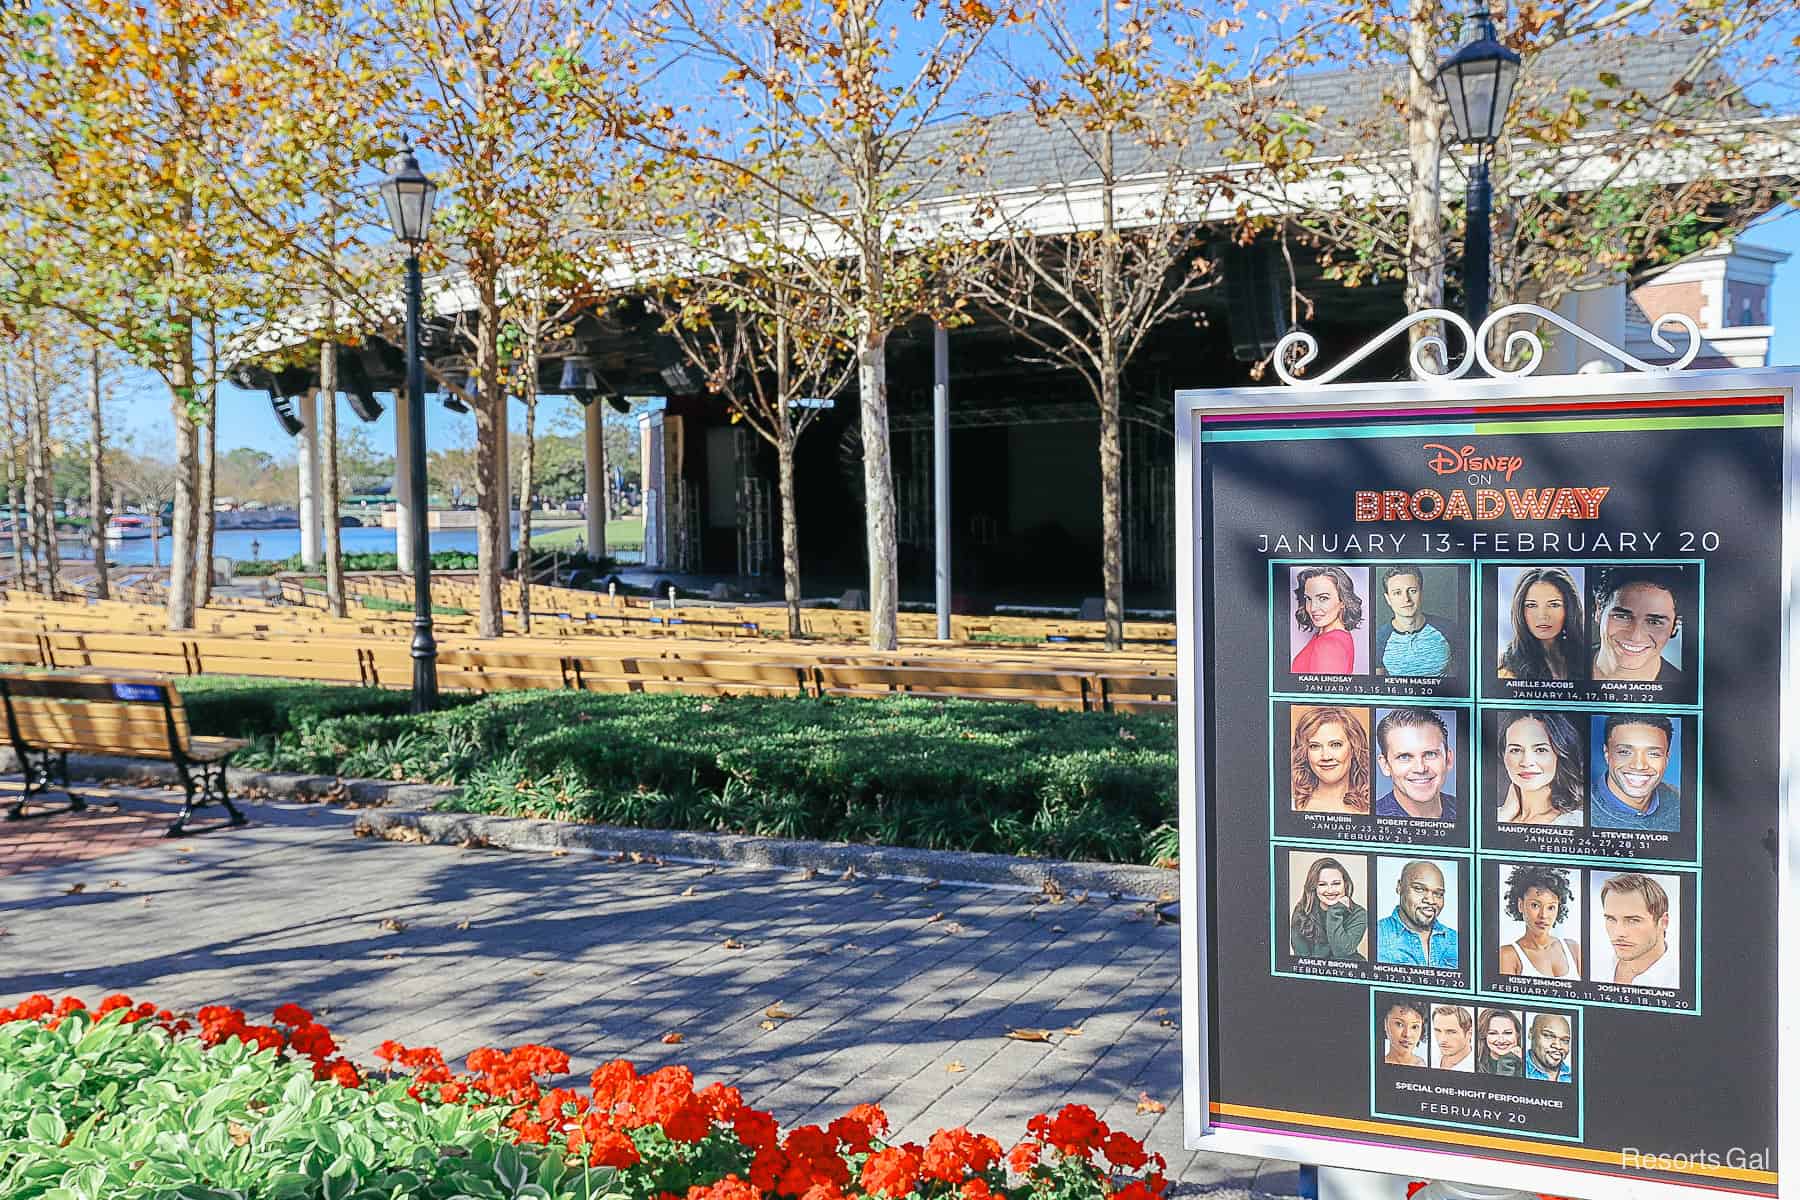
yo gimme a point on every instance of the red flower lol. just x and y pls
(292, 1014)
(977, 1189)
(314, 1041)
(954, 1153)
(1024, 1156)
(534, 1132)
(728, 1188)
(858, 1127)
(1075, 1131)
(69, 1004)
(607, 1147)
(340, 1070)
(1123, 1150)
(893, 1172)
(766, 1167)
(116, 1001)
(822, 1191)
(754, 1129)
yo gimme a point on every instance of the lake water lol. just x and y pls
(279, 543)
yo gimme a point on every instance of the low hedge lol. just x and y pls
(129, 1102)
(380, 560)
(936, 774)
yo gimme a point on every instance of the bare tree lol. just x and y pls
(1125, 110)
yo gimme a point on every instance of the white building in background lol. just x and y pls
(1726, 290)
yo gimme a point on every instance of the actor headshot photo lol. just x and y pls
(1401, 1027)
(1637, 758)
(1540, 775)
(1328, 631)
(1452, 1038)
(1546, 635)
(1631, 929)
(1499, 1042)
(1327, 922)
(1412, 934)
(1412, 641)
(1330, 759)
(1537, 900)
(1549, 1048)
(1416, 751)
(1638, 624)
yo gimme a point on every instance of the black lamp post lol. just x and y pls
(1477, 83)
(409, 194)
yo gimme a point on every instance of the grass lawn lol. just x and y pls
(627, 533)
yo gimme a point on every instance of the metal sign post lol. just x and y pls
(1487, 736)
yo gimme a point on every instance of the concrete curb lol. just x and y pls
(409, 806)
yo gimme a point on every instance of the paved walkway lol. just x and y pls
(899, 994)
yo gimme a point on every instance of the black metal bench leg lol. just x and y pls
(203, 783)
(45, 771)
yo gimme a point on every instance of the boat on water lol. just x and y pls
(127, 528)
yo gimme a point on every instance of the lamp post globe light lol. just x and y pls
(1477, 84)
(410, 194)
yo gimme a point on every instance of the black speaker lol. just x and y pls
(284, 412)
(1255, 286)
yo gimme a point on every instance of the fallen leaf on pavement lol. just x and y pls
(115, 883)
(731, 943)
(393, 925)
(1072, 1030)
(559, 852)
(691, 891)
(810, 873)
(539, 974)
(955, 1066)
(848, 875)
(1147, 1105)
(778, 1013)
(463, 924)
(1167, 1022)
(75, 889)
(767, 1025)
(671, 1038)
(934, 918)
(1028, 1035)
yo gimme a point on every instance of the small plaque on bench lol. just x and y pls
(148, 693)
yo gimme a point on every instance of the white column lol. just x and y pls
(595, 475)
(403, 497)
(503, 439)
(309, 478)
(1600, 311)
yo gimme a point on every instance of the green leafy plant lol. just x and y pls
(956, 775)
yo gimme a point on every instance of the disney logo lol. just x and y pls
(1451, 460)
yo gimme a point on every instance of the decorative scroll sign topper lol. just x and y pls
(1430, 357)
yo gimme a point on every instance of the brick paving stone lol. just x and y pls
(602, 959)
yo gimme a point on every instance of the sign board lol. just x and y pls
(1488, 726)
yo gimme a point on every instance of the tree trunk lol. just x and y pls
(878, 487)
(334, 536)
(790, 528)
(13, 495)
(97, 511)
(187, 476)
(37, 481)
(1112, 508)
(491, 524)
(156, 537)
(1424, 145)
(203, 508)
(1112, 460)
(528, 380)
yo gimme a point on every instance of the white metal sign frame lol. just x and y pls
(1436, 391)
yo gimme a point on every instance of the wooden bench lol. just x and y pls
(132, 714)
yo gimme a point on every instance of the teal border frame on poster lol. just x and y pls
(1580, 1082)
